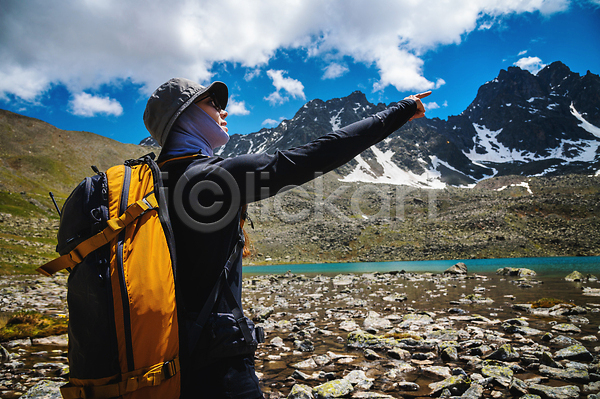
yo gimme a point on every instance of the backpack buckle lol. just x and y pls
(169, 369)
(260, 334)
(76, 256)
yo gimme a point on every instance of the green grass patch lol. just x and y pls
(13, 268)
(22, 255)
(15, 204)
(29, 324)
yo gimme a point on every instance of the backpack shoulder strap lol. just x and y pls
(161, 163)
(196, 329)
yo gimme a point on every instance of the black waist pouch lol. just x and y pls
(224, 336)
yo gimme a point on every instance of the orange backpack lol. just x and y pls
(115, 238)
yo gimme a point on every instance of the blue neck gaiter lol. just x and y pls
(194, 131)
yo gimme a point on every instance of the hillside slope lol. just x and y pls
(36, 155)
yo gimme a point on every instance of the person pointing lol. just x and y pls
(207, 196)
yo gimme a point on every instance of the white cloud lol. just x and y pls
(291, 86)
(270, 122)
(334, 71)
(275, 98)
(522, 52)
(486, 25)
(84, 104)
(531, 64)
(251, 74)
(433, 105)
(439, 83)
(87, 44)
(235, 107)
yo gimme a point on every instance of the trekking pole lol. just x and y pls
(55, 204)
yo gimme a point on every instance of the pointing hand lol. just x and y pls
(420, 108)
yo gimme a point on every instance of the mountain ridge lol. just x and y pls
(518, 124)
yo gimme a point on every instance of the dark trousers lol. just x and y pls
(228, 378)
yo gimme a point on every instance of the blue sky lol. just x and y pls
(91, 65)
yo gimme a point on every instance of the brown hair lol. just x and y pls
(247, 251)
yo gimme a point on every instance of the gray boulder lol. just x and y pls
(44, 390)
(459, 269)
(564, 392)
(333, 389)
(516, 271)
(574, 352)
(300, 391)
(575, 276)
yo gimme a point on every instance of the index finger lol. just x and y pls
(423, 95)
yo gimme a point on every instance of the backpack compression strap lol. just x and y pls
(133, 381)
(115, 226)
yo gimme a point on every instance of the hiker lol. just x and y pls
(206, 198)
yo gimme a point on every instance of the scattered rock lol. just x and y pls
(300, 391)
(570, 374)
(457, 385)
(516, 271)
(44, 390)
(458, 269)
(333, 389)
(359, 380)
(566, 327)
(504, 353)
(575, 276)
(56, 340)
(501, 374)
(564, 392)
(574, 352)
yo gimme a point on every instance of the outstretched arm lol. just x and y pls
(298, 165)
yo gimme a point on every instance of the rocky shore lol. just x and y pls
(379, 335)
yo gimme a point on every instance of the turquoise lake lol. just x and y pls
(551, 266)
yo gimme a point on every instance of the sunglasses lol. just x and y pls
(213, 101)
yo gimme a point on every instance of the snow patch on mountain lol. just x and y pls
(576, 151)
(487, 148)
(585, 124)
(336, 121)
(392, 174)
(522, 184)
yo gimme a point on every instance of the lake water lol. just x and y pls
(551, 266)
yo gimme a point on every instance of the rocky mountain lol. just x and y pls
(518, 124)
(527, 124)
